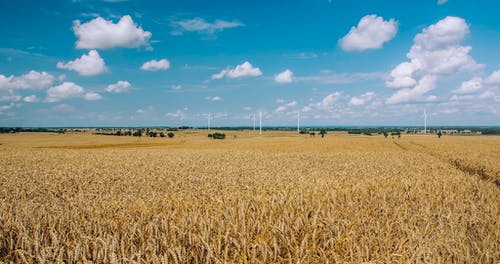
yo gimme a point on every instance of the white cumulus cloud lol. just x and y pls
(494, 78)
(176, 115)
(64, 91)
(104, 34)
(87, 65)
(243, 70)
(284, 77)
(28, 81)
(436, 52)
(156, 65)
(30, 99)
(92, 96)
(329, 100)
(371, 32)
(285, 107)
(119, 87)
(470, 86)
(361, 100)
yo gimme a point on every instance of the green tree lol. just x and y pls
(322, 133)
(170, 134)
(386, 134)
(439, 134)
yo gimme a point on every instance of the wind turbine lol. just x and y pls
(253, 122)
(425, 122)
(208, 121)
(260, 123)
(298, 122)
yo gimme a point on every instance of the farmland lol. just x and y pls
(279, 197)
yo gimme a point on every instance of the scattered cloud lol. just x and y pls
(176, 87)
(156, 65)
(302, 55)
(146, 111)
(63, 108)
(200, 26)
(494, 78)
(87, 65)
(92, 96)
(341, 78)
(286, 107)
(6, 107)
(176, 115)
(436, 52)
(470, 86)
(361, 100)
(370, 33)
(284, 77)
(213, 98)
(29, 81)
(442, 2)
(243, 70)
(424, 85)
(30, 99)
(64, 91)
(10, 97)
(328, 101)
(104, 34)
(119, 87)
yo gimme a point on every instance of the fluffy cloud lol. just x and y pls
(213, 98)
(435, 52)
(30, 99)
(64, 91)
(244, 70)
(361, 100)
(104, 34)
(6, 107)
(92, 96)
(28, 81)
(87, 65)
(470, 86)
(425, 84)
(494, 78)
(329, 100)
(154, 65)
(201, 26)
(176, 115)
(119, 87)
(284, 77)
(285, 107)
(370, 33)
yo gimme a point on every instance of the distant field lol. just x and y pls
(279, 197)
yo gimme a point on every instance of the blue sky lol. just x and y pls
(170, 63)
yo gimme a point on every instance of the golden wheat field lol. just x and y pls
(276, 198)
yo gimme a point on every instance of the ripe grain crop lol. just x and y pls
(278, 198)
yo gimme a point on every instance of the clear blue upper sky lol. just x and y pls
(170, 63)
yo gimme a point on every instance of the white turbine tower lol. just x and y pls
(298, 122)
(425, 122)
(253, 122)
(260, 123)
(208, 120)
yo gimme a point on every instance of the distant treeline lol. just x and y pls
(4, 130)
(350, 130)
